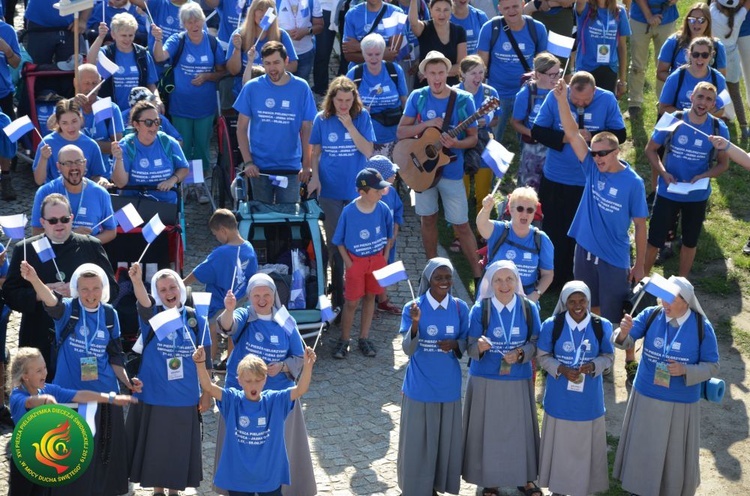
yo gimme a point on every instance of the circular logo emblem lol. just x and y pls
(170, 20)
(192, 322)
(120, 70)
(432, 330)
(364, 234)
(143, 163)
(497, 332)
(190, 58)
(536, 108)
(258, 336)
(568, 347)
(510, 255)
(270, 102)
(431, 114)
(174, 363)
(682, 140)
(600, 185)
(84, 331)
(507, 46)
(658, 343)
(688, 94)
(244, 421)
(52, 445)
(333, 137)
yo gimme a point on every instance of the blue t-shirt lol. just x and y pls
(254, 456)
(598, 38)
(102, 131)
(433, 375)
(166, 15)
(423, 106)
(379, 93)
(151, 166)
(667, 54)
(90, 207)
(19, 396)
(7, 147)
(84, 343)
(364, 234)
(484, 93)
(8, 34)
(506, 70)
(96, 16)
(358, 22)
(94, 163)
(340, 160)
(521, 104)
(662, 342)
(229, 12)
(188, 100)
(571, 350)
(602, 113)
(220, 265)
(689, 156)
(267, 340)
(286, 40)
(505, 334)
(528, 261)
(276, 116)
(472, 24)
(674, 93)
(745, 27)
(609, 202)
(168, 371)
(44, 13)
(394, 203)
(127, 76)
(669, 14)
(424, 15)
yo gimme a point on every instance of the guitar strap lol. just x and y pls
(449, 111)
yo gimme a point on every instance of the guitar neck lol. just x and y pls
(462, 127)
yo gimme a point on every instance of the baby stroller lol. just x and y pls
(288, 238)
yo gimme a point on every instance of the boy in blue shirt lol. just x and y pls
(227, 267)
(253, 459)
(364, 236)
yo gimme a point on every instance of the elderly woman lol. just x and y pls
(149, 157)
(164, 430)
(255, 330)
(198, 63)
(440, 34)
(501, 431)
(528, 247)
(658, 449)
(434, 329)
(574, 348)
(136, 66)
(90, 357)
(342, 140)
(383, 89)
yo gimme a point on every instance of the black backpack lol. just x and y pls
(504, 239)
(359, 70)
(681, 78)
(596, 323)
(141, 60)
(109, 321)
(698, 320)
(526, 303)
(713, 155)
(497, 24)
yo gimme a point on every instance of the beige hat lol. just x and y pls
(431, 57)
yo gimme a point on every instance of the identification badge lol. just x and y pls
(577, 386)
(505, 368)
(661, 375)
(89, 370)
(602, 54)
(174, 368)
(82, 211)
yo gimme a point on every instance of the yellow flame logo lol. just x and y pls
(53, 447)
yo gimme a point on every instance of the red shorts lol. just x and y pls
(359, 280)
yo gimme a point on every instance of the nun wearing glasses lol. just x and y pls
(658, 449)
(574, 348)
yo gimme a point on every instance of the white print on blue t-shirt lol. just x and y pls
(364, 234)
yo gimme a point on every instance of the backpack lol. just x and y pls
(128, 146)
(698, 320)
(359, 70)
(141, 60)
(492, 251)
(596, 323)
(712, 155)
(681, 79)
(167, 79)
(486, 309)
(75, 315)
(499, 22)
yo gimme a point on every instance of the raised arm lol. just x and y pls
(569, 125)
(199, 357)
(43, 293)
(304, 379)
(417, 26)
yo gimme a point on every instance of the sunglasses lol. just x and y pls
(529, 210)
(54, 220)
(697, 20)
(700, 55)
(150, 122)
(71, 163)
(601, 153)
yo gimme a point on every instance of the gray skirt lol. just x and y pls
(658, 449)
(573, 456)
(429, 447)
(165, 446)
(501, 433)
(301, 469)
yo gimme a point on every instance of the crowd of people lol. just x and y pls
(407, 68)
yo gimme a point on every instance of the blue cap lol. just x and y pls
(370, 178)
(383, 165)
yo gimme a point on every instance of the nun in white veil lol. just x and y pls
(501, 431)
(658, 449)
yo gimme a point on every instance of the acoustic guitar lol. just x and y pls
(420, 160)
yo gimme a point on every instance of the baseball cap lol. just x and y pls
(385, 167)
(370, 178)
(140, 93)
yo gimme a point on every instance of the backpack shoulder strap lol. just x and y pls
(532, 30)
(668, 141)
(166, 144)
(486, 309)
(701, 330)
(680, 79)
(557, 328)
(392, 72)
(70, 326)
(527, 316)
(109, 317)
(596, 323)
(537, 239)
(532, 97)
(503, 236)
(651, 319)
(180, 48)
(128, 146)
(497, 24)
(359, 71)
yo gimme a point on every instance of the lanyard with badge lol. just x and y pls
(661, 374)
(603, 50)
(77, 210)
(89, 367)
(577, 385)
(175, 369)
(505, 367)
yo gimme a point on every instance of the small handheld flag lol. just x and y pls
(102, 109)
(559, 45)
(268, 19)
(280, 181)
(662, 288)
(44, 249)
(394, 24)
(105, 66)
(391, 274)
(723, 98)
(128, 218)
(153, 229)
(18, 128)
(668, 123)
(166, 322)
(14, 225)
(201, 302)
(326, 312)
(285, 320)
(497, 157)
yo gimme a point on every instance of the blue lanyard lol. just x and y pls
(86, 340)
(666, 349)
(578, 356)
(80, 198)
(512, 321)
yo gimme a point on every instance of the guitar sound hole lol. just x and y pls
(431, 152)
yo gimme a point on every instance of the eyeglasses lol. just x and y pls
(553, 75)
(70, 163)
(601, 153)
(697, 20)
(54, 220)
(149, 122)
(700, 55)
(529, 210)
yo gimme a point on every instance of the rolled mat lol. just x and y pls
(713, 390)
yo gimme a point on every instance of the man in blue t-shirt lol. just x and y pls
(561, 187)
(360, 21)
(426, 108)
(689, 157)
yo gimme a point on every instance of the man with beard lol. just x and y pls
(90, 203)
(275, 120)
(71, 250)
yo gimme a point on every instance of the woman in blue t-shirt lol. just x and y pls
(164, 430)
(90, 356)
(256, 330)
(501, 430)
(658, 448)
(434, 329)
(574, 348)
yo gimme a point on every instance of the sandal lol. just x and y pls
(531, 491)
(490, 491)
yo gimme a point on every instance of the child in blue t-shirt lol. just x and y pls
(253, 458)
(364, 236)
(227, 267)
